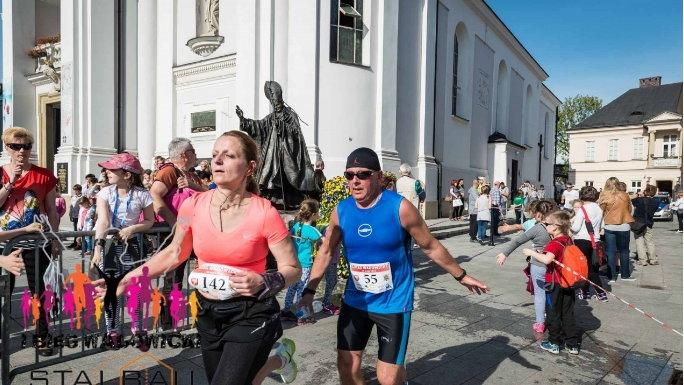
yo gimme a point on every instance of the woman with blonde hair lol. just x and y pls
(617, 215)
(232, 230)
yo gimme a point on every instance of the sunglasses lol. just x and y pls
(550, 224)
(362, 175)
(19, 146)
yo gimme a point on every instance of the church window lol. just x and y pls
(346, 31)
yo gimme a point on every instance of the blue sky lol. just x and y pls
(598, 47)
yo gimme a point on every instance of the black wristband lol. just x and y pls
(273, 283)
(100, 242)
(460, 277)
(308, 291)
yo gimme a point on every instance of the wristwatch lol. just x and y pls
(8, 186)
(100, 242)
(460, 277)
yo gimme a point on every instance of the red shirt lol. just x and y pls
(555, 247)
(27, 197)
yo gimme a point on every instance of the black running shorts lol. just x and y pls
(354, 327)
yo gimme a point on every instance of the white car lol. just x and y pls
(663, 212)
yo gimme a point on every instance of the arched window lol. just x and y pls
(454, 83)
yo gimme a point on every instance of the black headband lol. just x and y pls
(363, 157)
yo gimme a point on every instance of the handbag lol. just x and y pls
(528, 273)
(598, 254)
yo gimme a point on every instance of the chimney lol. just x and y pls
(653, 81)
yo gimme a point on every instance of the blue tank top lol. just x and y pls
(378, 251)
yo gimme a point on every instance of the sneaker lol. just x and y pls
(289, 372)
(611, 281)
(582, 295)
(628, 279)
(538, 331)
(654, 262)
(287, 315)
(574, 350)
(286, 351)
(549, 347)
(306, 321)
(331, 309)
(603, 297)
(474, 241)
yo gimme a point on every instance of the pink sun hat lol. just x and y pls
(124, 161)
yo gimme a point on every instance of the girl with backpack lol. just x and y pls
(560, 305)
(539, 237)
(304, 236)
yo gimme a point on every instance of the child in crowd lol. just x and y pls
(60, 202)
(331, 281)
(518, 201)
(560, 306)
(483, 204)
(88, 223)
(76, 194)
(576, 205)
(305, 236)
(147, 179)
(90, 184)
(539, 236)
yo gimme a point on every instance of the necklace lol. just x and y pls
(224, 206)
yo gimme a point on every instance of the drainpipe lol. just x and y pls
(120, 74)
(434, 118)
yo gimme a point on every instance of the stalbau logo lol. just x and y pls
(146, 369)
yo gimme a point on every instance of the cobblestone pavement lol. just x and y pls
(456, 338)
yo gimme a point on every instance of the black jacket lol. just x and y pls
(644, 207)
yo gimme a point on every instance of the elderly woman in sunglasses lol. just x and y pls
(27, 192)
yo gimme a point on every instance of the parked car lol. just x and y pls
(663, 212)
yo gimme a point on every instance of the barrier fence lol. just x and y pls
(72, 302)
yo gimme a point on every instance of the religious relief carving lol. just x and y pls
(207, 38)
(483, 89)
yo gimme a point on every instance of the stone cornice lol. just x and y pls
(211, 65)
(39, 78)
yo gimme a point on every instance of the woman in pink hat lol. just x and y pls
(119, 206)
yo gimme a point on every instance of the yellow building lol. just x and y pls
(636, 138)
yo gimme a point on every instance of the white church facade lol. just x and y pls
(442, 85)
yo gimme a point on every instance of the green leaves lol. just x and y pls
(571, 113)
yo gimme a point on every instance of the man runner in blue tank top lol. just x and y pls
(376, 227)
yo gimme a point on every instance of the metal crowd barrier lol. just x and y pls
(59, 324)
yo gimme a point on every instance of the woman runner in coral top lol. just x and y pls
(231, 230)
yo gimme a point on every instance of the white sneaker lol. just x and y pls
(289, 372)
(285, 351)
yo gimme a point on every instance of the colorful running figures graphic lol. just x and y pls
(80, 302)
(79, 280)
(26, 307)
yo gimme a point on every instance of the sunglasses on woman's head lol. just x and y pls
(362, 175)
(550, 224)
(19, 146)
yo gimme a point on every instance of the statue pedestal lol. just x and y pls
(205, 45)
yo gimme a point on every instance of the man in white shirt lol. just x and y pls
(568, 196)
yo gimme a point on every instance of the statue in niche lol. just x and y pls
(208, 12)
(285, 174)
